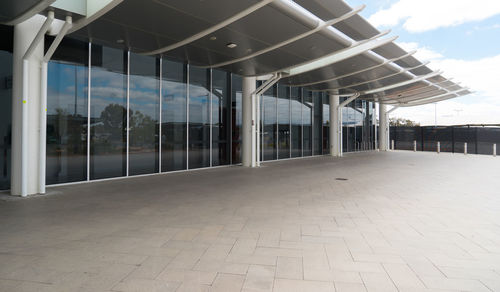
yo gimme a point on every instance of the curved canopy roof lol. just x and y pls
(322, 45)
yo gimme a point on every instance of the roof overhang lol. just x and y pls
(322, 45)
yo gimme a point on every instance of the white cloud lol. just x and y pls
(423, 53)
(425, 15)
(481, 76)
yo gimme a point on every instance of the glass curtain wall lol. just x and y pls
(67, 113)
(173, 116)
(307, 118)
(236, 118)
(357, 126)
(283, 121)
(296, 121)
(144, 108)
(221, 128)
(178, 116)
(326, 124)
(199, 118)
(317, 123)
(269, 124)
(108, 113)
(6, 42)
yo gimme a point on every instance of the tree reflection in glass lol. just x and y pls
(144, 104)
(108, 115)
(67, 92)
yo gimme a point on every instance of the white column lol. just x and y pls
(249, 86)
(335, 128)
(24, 33)
(383, 129)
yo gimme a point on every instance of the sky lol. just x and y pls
(460, 37)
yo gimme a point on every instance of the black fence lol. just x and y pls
(480, 139)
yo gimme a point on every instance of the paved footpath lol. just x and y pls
(401, 221)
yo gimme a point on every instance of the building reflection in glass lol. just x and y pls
(296, 121)
(283, 121)
(199, 118)
(269, 124)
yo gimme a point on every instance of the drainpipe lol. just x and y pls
(25, 91)
(43, 104)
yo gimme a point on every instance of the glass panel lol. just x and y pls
(6, 42)
(67, 107)
(317, 123)
(296, 105)
(326, 124)
(173, 116)
(108, 113)
(221, 103)
(144, 104)
(199, 118)
(268, 118)
(352, 121)
(307, 106)
(236, 118)
(283, 121)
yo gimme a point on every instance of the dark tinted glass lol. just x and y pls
(326, 124)
(5, 104)
(317, 123)
(199, 118)
(283, 121)
(174, 99)
(236, 118)
(67, 107)
(221, 128)
(108, 112)
(268, 121)
(144, 104)
(307, 114)
(296, 121)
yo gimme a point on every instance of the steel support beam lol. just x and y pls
(408, 82)
(356, 49)
(434, 99)
(378, 78)
(339, 121)
(357, 72)
(43, 105)
(256, 100)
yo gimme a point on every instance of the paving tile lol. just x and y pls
(183, 276)
(227, 283)
(252, 259)
(259, 279)
(289, 268)
(349, 287)
(378, 282)
(145, 285)
(403, 276)
(287, 285)
(454, 284)
(221, 266)
(151, 267)
(287, 226)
